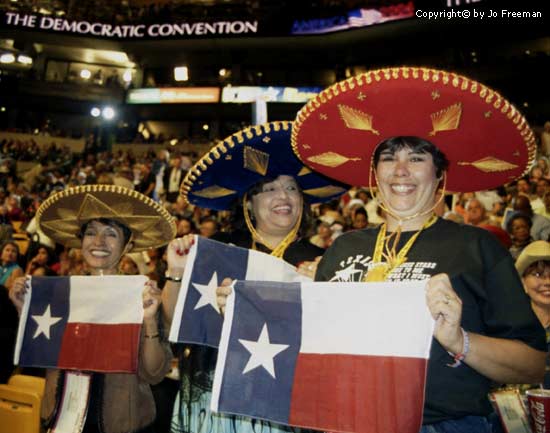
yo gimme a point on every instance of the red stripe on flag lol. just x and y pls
(367, 394)
(100, 347)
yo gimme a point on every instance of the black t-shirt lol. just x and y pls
(483, 275)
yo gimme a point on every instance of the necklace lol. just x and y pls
(386, 258)
(277, 250)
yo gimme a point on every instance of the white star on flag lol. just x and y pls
(45, 322)
(262, 352)
(208, 293)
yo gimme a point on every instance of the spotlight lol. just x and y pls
(95, 112)
(181, 73)
(23, 59)
(127, 77)
(205, 127)
(7, 58)
(108, 113)
(85, 74)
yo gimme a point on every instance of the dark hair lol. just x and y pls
(361, 211)
(538, 266)
(126, 232)
(416, 144)
(13, 243)
(237, 217)
(518, 216)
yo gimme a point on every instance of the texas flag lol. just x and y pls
(197, 318)
(81, 323)
(327, 356)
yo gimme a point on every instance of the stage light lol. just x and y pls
(85, 74)
(181, 73)
(127, 76)
(7, 58)
(95, 112)
(108, 113)
(24, 59)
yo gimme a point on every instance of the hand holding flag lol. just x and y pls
(197, 315)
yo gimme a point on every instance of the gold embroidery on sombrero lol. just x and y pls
(214, 191)
(331, 159)
(323, 116)
(447, 119)
(304, 171)
(325, 191)
(436, 95)
(356, 119)
(255, 160)
(488, 114)
(490, 164)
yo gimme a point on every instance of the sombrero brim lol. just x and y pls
(534, 252)
(62, 215)
(487, 141)
(243, 159)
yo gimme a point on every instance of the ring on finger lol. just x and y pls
(447, 299)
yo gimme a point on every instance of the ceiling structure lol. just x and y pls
(511, 56)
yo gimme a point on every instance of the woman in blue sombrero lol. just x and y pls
(254, 173)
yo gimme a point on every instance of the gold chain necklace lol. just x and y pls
(392, 259)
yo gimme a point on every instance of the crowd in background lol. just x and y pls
(517, 214)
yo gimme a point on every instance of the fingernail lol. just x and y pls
(186, 251)
(193, 241)
(179, 252)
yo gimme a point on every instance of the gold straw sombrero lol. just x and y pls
(62, 215)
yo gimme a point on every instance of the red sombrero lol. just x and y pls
(486, 139)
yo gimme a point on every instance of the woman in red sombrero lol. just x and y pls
(413, 132)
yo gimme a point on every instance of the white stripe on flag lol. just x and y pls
(366, 319)
(264, 267)
(22, 322)
(119, 296)
(222, 350)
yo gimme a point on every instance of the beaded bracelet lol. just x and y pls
(459, 357)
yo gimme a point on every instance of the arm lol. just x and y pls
(16, 273)
(154, 359)
(499, 359)
(177, 258)
(18, 292)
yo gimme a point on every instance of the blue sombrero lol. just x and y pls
(232, 167)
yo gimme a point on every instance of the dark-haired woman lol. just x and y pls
(9, 268)
(269, 191)
(519, 229)
(367, 130)
(106, 222)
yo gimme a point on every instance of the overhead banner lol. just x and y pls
(134, 31)
(246, 94)
(174, 95)
(353, 19)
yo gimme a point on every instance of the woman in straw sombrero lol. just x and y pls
(106, 222)
(411, 132)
